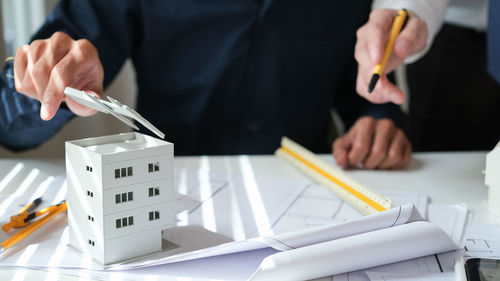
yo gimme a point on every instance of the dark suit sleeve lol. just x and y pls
(111, 25)
(351, 106)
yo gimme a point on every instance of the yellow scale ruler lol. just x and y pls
(359, 196)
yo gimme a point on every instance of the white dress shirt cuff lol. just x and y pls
(430, 11)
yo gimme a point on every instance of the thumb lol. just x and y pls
(79, 109)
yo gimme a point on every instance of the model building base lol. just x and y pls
(120, 195)
(492, 180)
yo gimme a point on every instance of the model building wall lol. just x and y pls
(120, 192)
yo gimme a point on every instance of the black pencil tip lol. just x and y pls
(373, 82)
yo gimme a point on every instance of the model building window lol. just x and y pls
(154, 191)
(154, 167)
(91, 218)
(123, 172)
(123, 222)
(91, 242)
(89, 193)
(154, 215)
(89, 169)
(124, 197)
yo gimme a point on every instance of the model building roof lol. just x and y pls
(107, 145)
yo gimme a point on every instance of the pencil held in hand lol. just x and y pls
(398, 25)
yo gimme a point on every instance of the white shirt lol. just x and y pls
(465, 13)
(468, 13)
(430, 11)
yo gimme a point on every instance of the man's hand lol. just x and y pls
(369, 50)
(373, 144)
(44, 68)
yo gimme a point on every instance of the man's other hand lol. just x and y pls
(373, 144)
(369, 51)
(45, 67)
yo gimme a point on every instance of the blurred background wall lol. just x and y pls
(19, 19)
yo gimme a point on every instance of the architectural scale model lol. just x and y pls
(492, 180)
(120, 188)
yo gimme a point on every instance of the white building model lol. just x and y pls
(120, 195)
(492, 180)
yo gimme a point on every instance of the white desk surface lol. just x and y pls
(447, 178)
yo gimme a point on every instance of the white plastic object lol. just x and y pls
(113, 107)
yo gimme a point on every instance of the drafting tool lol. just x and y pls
(357, 195)
(26, 215)
(113, 107)
(397, 26)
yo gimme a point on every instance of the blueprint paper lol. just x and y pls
(198, 188)
(451, 219)
(384, 276)
(482, 241)
(297, 239)
(389, 245)
(317, 206)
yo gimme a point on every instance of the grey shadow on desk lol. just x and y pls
(415, 165)
(191, 238)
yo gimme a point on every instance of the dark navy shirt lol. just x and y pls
(216, 76)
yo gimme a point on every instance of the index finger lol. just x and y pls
(20, 63)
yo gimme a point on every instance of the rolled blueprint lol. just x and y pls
(384, 246)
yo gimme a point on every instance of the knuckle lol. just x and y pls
(377, 153)
(59, 37)
(21, 52)
(36, 44)
(394, 156)
(367, 120)
(360, 147)
(386, 123)
(35, 49)
(85, 47)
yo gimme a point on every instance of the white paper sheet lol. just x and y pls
(451, 219)
(482, 241)
(319, 206)
(384, 276)
(356, 252)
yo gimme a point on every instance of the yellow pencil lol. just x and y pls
(52, 210)
(397, 26)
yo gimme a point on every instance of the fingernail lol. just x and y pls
(44, 112)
